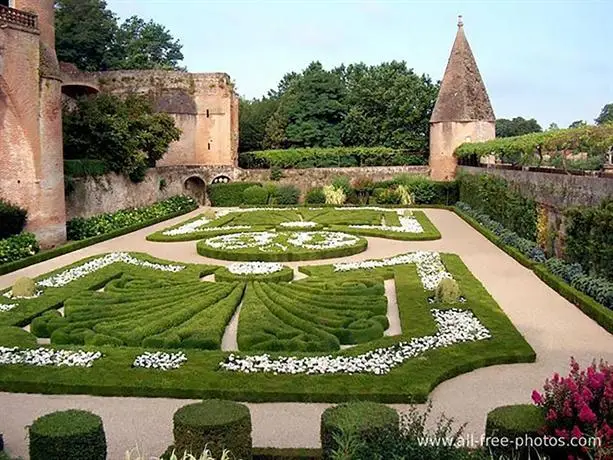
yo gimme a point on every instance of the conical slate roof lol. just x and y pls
(462, 96)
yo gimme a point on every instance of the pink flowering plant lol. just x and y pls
(580, 406)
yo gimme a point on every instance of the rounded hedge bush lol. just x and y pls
(518, 421)
(255, 195)
(11, 336)
(68, 435)
(315, 196)
(369, 421)
(216, 425)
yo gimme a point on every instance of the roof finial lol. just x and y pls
(460, 21)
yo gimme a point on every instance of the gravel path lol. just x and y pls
(555, 329)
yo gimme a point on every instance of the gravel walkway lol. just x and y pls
(555, 329)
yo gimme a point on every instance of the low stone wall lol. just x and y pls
(97, 195)
(306, 179)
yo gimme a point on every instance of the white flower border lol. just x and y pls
(254, 268)
(48, 357)
(299, 224)
(4, 308)
(454, 326)
(160, 360)
(265, 241)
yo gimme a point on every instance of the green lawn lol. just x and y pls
(201, 377)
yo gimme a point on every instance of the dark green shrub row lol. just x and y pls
(215, 425)
(229, 194)
(423, 189)
(366, 422)
(312, 315)
(18, 247)
(334, 157)
(498, 199)
(589, 238)
(12, 219)
(271, 194)
(286, 274)
(600, 289)
(67, 435)
(85, 167)
(292, 255)
(526, 247)
(82, 228)
(522, 421)
(273, 453)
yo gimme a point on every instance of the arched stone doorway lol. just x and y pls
(196, 187)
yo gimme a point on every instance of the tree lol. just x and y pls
(518, 126)
(89, 36)
(85, 34)
(389, 105)
(253, 118)
(553, 127)
(147, 45)
(606, 115)
(310, 111)
(577, 124)
(125, 133)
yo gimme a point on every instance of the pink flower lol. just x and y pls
(586, 415)
(576, 432)
(537, 398)
(561, 433)
(551, 415)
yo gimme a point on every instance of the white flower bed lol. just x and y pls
(299, 224)
(408, 223)
(254, 268)
(197, 226)
(48, 357)
(429, 266)
(160, 360)
(225, 212)
(7, 307)
(455, 326)
(265, 241)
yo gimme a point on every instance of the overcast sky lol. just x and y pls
(551, 60)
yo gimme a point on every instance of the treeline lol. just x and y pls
(385, 105)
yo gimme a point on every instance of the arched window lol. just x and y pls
(221, 180)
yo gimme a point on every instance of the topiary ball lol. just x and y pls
(368, 421)
(68, 435)
(216, 425)
(24, 287)
(447, 291)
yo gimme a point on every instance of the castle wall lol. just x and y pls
(204, 106)
(446, 136)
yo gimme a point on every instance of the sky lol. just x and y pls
(549, 60)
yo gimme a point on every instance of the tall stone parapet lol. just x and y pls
(31, 163)
(462, 113)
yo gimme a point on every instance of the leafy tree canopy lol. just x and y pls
(518, 126)
(553, 127)
(89, 35)
(606, 115)
(577, 124)
(125, 133)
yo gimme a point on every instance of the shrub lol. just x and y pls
(329, 157)
(315, 196)
(67, 435)
(255, 195)
(366, 421)
(85, 167)
(276, 173)
(363, 187)
(12, 219)
(229, 194)
(447, 291)
(287, 195)
(24, 287)
(580, 406)
(406, 198)
(81, 228)
(386, 196)
(334, 195)
(216, 425)
(18, 247)
(522, 421)
(11, 336)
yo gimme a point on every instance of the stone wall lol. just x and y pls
(96, 195)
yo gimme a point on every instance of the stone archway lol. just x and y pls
(196, 187)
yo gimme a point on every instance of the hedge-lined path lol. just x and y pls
(555, 328)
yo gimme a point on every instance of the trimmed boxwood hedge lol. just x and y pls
(513, 422)
(16, 337)
(368, 421)
(229, 194)
(67, 435)
(215, 425)
(286, 274)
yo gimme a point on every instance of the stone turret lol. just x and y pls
(463, 112)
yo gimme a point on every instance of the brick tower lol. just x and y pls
(463, 112)
(31, 163)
